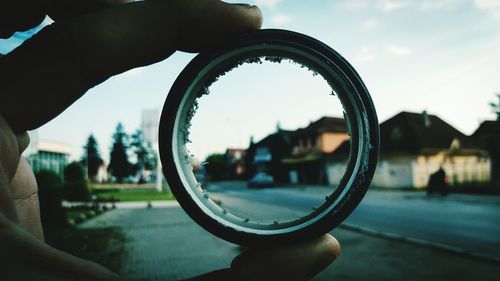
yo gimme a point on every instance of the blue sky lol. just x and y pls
(436, 55)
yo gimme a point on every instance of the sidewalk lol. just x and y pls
(165, 244)
(453, 197)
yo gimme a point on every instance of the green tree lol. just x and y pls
(216, 166)
(496, 107)
(151, 159)
(145, 155)
(91, 157)
(119, 165)
(50, 189)
(75, 185)
(74, 172)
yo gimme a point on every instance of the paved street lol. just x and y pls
(471, 223)
(164, 244)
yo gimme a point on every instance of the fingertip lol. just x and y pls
(208, 23)
(329, 250)
(299, 261)
(258, 17)
(253, 15)
(332, 244)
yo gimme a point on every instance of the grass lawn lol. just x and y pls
(128, 195)
(107, 186)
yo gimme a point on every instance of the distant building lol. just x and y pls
(149, 125)
(297, 156)
(487, 137)
(267, 154)
(45, 154)
(102, 173)
(311, 145)
(323, 135)
(235, 163)
(414, 146)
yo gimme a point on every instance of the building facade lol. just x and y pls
(234, 159)
(307, 162)
(266, 155)
(149, 125)
(298, 156)
(488, 137)
(43, 154)
(414, 146)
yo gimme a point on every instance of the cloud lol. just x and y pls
(384, 5)
(281, 19)
(370, 24)
(366, 54)
(267, 3)
(427, 5)
(356, 4)
(392, 5)
(490, 6)
(398, 51)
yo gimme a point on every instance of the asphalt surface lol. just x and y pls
(163, 243)
(470, 223)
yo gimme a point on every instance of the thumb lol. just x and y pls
(205, 23)
(292, 262)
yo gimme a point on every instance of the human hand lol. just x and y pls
(59, 64)
(49, 72)
(11, 148)
(295, 262)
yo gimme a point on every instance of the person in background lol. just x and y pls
(438, 183)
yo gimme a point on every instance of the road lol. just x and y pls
(456, 220)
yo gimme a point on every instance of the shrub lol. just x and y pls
(50, 195)
(75, 185)
(74, 172)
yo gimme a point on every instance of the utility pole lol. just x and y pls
(159, 173)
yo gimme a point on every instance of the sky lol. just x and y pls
(436, 55)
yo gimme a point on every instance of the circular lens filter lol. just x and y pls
(357, 153)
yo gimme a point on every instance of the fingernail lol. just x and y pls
(246, 6)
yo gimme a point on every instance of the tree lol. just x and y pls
(50, 188)
(119, 165)
(496, 107)
(216, 166)
(91, 157)
(145, 155)
(74, 172)
(75, 185)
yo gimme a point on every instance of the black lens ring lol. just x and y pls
(366, 144)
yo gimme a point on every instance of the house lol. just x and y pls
(487, 137)
(267, 154)
(234, 159)
(414, 146)
(306, 163)
(43, 154)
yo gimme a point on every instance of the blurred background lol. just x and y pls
(270, 142)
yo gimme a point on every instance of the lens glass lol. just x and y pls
(268, 141)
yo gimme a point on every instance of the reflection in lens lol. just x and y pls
(268, 142)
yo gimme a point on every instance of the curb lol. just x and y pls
(419, 242)
(126, 205)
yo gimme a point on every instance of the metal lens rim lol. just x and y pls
(354, 119)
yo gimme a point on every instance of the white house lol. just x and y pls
(414, 146)
(43, 154)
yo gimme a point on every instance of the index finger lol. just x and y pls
(58, 65)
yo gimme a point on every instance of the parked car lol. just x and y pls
(261, 179)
